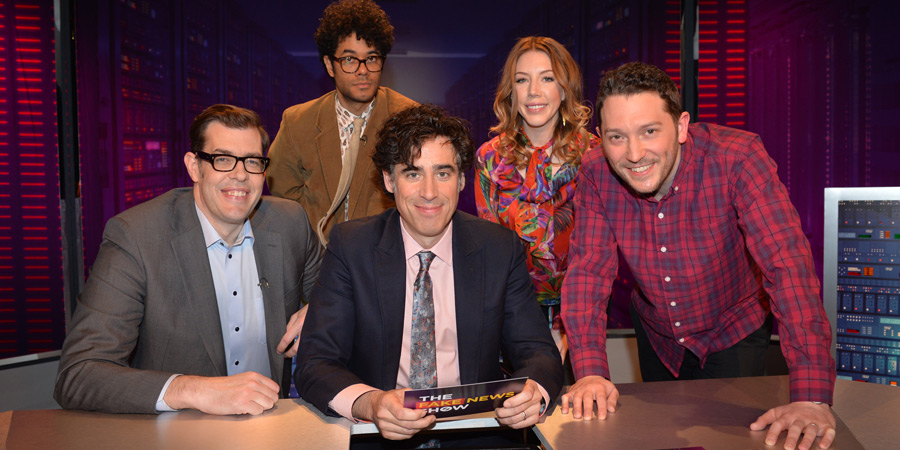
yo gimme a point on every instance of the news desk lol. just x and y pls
(713, 414)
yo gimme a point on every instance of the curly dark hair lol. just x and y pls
(635, 78)
(344, 17)
(230, 116)
(400, 140)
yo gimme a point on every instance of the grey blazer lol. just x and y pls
(149, 308)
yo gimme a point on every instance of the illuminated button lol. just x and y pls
(667, 279)
(660, 215)
(662, 249)
(681, 340)
(677, 324)
(672, 304)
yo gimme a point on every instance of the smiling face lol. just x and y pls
(427, 193)
(641, 140)
(354, 90)
(226, 198)
(537, 95)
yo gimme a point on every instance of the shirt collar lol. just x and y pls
(345, 117)
(443, 249)
(211, 236)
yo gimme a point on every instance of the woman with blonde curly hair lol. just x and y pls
(526, 174)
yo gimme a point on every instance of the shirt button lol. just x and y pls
(660, 215)
(672, 304)
(681, 340)
(662, 249)
(676, 188)
(234, 293)
(236, 329)
(229, 256)
(238, 362)
(677, 324)
(667, 279)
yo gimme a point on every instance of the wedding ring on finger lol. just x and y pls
(524, 417)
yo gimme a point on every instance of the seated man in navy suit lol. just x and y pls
(364, 341)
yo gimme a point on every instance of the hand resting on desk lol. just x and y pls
(585, 392)
(807, 418)
(245, 393)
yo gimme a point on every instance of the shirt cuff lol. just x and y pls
(342, 403)
(546, 397)
(161, 405)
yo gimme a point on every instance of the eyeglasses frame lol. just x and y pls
(210, 157)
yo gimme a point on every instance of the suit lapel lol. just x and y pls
(193, 263)
(328, 149)
(269, 253)
(468, 282)
(390, 280)
(362, 172)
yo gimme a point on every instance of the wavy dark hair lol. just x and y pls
(230, 116)
(635, 78)
(400, 139)
(575, 113)
(343, 18)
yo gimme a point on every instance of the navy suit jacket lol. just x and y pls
(354, 327)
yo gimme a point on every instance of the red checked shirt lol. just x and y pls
(710, 259)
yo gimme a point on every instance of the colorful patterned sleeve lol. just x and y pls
(485, 189)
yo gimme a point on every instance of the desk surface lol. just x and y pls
(716, 414)
(709, 413)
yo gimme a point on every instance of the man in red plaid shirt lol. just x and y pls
(715, 246)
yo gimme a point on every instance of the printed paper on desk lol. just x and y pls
(464, 399)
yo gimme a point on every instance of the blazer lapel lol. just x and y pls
(328, 150)
(362, 173)
(390, 280)
(268, 251)
(193, 263)
(468, 281)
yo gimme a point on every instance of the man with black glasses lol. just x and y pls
(320, 156)
(194, 300)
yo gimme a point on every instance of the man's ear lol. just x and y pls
(327, 61)
(193, 166)
(683, 123)
(388, 181)
(462, 181)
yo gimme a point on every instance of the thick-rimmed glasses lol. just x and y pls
(227, 163)
(350, 64)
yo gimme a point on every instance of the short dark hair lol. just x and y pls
(230, 116)
(344, 17)
(635, 78)
(400, 139)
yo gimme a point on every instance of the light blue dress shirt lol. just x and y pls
(239, 297)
